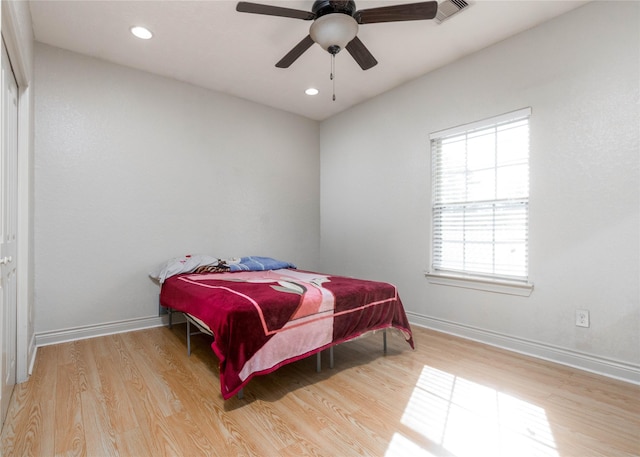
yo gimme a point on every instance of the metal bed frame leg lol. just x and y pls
(319, 360)
(170, 311)
(331, 359)
(240, 394)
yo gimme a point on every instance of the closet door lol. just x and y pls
(8, 229)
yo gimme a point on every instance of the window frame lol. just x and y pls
(467, 279)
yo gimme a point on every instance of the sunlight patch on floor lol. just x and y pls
(467, 419)
(401, 446)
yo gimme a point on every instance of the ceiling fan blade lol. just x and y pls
(394, 13)
(269, 10)
(361, 54)
(296, 52)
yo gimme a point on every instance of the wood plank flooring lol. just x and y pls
(139, 394)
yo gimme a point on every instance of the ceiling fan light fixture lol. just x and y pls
(333, 30)
(311, 91)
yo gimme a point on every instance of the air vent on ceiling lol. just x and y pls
(448, 8)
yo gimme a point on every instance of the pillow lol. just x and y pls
(184, 264)
(255, 263)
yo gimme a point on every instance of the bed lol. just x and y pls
(265, 314)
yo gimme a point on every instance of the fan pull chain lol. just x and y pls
(332, 75)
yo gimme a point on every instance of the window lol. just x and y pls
(480, 210)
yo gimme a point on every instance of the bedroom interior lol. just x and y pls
(121, 167)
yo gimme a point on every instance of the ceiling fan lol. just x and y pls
(335, 25)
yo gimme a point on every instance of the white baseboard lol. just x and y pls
(33, 348)
(607, 367)
(110, 328)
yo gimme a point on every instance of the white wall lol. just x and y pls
(580, 74)
(133, 169)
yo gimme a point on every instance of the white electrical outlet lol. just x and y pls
(582, 318)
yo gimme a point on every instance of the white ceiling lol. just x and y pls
(209, 44)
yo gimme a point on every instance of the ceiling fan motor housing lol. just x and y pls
(322, 7)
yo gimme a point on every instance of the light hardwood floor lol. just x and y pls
(139, 394)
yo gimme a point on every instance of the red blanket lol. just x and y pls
(262, 320)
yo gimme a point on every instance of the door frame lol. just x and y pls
(8, 243)
(17, 32)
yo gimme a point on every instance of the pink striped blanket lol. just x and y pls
(262, 320)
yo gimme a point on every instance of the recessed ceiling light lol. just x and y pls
(141, 32)
(311, 91)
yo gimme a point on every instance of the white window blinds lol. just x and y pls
(480, 205)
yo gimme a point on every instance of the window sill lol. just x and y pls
(500, 286)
